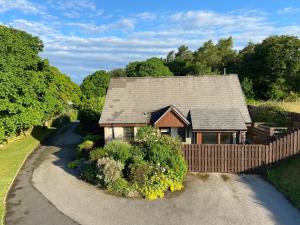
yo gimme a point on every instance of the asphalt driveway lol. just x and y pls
(233, 199)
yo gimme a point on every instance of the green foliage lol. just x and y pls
(31, 91)
(85, 147)
(119, 187)
(247, 86)
(120, 72)
(88, 173)
(95, 85)
(74, 164)
(153, 67)
(156, 186)
(109, 170)
(90, 109)
(61, 120)
(118, 150)
(163, 151)
(97, 153)
(270, 113)
(93, 137)
(273, 66)
(140, 172)
(210, 58)
(150, 166)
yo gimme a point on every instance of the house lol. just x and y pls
(197, 109)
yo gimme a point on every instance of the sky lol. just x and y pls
(82, 36)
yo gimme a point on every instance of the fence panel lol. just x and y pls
(226, 158)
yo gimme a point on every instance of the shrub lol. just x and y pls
(74, 164)
(97, 153)
(88, 173)
(93, 137)
(157, 185)
(119, 187)
(139, 172)
(85, 147)
(118, 150)
(270, 113)
(109, 170)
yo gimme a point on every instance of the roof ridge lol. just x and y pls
(178, 77)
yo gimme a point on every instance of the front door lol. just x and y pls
(198, 138)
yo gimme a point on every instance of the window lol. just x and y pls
(226, 138)
(128, 134)
(181, 133)
(209, 138)
(165, 131)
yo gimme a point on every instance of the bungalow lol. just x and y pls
(197, 109)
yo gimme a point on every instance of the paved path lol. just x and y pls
(25, 204)
(239, 200)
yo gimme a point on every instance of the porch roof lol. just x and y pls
(217, 119)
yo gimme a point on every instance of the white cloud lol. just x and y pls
(76, 8)
(21, 5)
(79, 55)
(288, 10)
(146, 16)
(45, 32)
(124, 24)
(209, 19)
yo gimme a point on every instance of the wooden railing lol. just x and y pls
(240, 158)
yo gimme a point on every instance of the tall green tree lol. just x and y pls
(96, 84)
(31, 91)
(153, 67)
(273, 66)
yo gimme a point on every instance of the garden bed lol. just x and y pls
(146, 168)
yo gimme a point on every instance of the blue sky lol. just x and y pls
(82, 36)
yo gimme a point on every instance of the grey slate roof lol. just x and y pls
(136, 100)
(217, 119)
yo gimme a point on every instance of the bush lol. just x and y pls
(270, 113)
(109, 170)
(140, 172)
(157, 185)
(119, 187)
(93, 138)
(148, 168)
(88, 173)
(118, 150)
(85, 147)
(97, 153)
(74, 164)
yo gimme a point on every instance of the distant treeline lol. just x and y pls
(267, 70)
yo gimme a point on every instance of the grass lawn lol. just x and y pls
(11, 158)
(287, 106)
(286, 178)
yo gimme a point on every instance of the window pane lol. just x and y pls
(210, 138)
(128, 134)
(226, 138)
(165, 131)
(181, 133)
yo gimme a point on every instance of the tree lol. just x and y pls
(31, 91)
(120, 72)
(96, 84)
(153, 67)
(273, 66)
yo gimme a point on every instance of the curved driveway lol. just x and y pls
(238, 200)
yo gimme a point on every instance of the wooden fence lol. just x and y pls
(240, 158)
